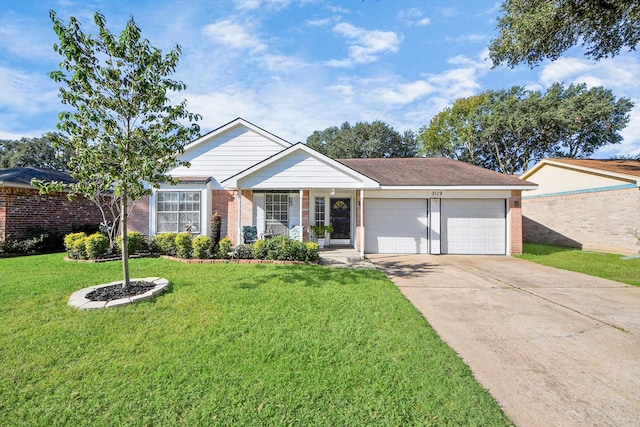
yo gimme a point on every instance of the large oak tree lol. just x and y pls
(507, 130)
(121, 125)
(364, 140)
(533, 30)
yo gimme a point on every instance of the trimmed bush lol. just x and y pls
(96, 245)
(70, 239)
(259, 249)
(244, 252)
(165, 243)
(135, 242)
(200, 246)
(183, 244)
(79, 249)
(286, 249)
(224, 247)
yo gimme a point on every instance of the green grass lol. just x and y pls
(227, 345)
(608, 266)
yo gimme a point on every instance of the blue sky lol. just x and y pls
(295, 66)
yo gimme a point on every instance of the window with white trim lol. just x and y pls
(276, 213)
(319, 211)
(178, 211)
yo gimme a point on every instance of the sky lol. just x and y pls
(296, 66)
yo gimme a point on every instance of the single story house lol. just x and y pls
(410, 205)
(584, 203)
(24, 210)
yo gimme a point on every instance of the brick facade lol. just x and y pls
(23, 209)
(138, 219)
(602, 221)
(515, 222)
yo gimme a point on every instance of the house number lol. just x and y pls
(436, 193)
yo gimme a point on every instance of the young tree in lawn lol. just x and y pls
(121, 125)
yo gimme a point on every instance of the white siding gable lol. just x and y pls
(228, 153)
(299, 170)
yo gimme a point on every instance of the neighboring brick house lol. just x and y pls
(23, 209)
(584, 203)
(254, 178)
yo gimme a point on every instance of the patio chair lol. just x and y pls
(249, 234)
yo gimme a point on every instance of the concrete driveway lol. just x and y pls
(555, 348)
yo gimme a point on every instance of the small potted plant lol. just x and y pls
(321, 232)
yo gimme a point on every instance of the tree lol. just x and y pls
(38, 152)
(507, 130)
(121, 125)
(364, 140)
(533, 30)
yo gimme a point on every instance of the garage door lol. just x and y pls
(396, 226)
(473, 226)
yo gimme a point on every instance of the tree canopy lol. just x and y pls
(364, 140)
(533, 30)
(38, 152)
(506, 130)
(121, 125)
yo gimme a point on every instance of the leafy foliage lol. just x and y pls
(96, 245)
(135, 241)
(224, 247)
(506, 130)
(166, 243)
(364, 140)
(284, 248)
(121, 126)
(184, 245)
(200, 246)
(244, 252)
(533, 30)
(37, 152)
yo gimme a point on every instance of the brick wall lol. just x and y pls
(602, 221)
(23, 209)
(138, 219)
(515, 220)
(225, 202)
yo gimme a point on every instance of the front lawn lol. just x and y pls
(229, 344)
(608, 266)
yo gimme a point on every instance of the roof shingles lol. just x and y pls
(430, 171)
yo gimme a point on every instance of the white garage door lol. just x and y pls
(396, 226)
(473, 226)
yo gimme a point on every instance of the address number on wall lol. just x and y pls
(436, 193)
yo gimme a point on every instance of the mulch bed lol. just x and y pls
(114, 292)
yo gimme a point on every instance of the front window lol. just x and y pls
(178, 211)
(277, 213)
(319, 213)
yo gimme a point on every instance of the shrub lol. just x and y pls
(200, 246)
(70, 239)
(312, 251)
(96, 245)
(244, 252)
(166, 243)
(135, 242)
(224, 247)
(259, 249)
(287, 249)
(79, 249)
(184, 244)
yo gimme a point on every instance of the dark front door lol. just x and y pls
(341, 218)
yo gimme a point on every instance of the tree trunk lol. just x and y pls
(125, 240)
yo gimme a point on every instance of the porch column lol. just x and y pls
(361, 222)
(301, 215)
(239, 223)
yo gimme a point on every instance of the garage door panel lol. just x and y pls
(473, 226)
(396, 226)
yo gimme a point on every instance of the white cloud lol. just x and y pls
(233, 35)
(473, 38)
(364, 45)
(413, 17)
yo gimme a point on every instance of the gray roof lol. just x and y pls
(24, 175)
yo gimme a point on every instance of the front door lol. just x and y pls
(340, 216)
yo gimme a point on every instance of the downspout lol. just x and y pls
(362, 222)
(239, 225)
(301, 237)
